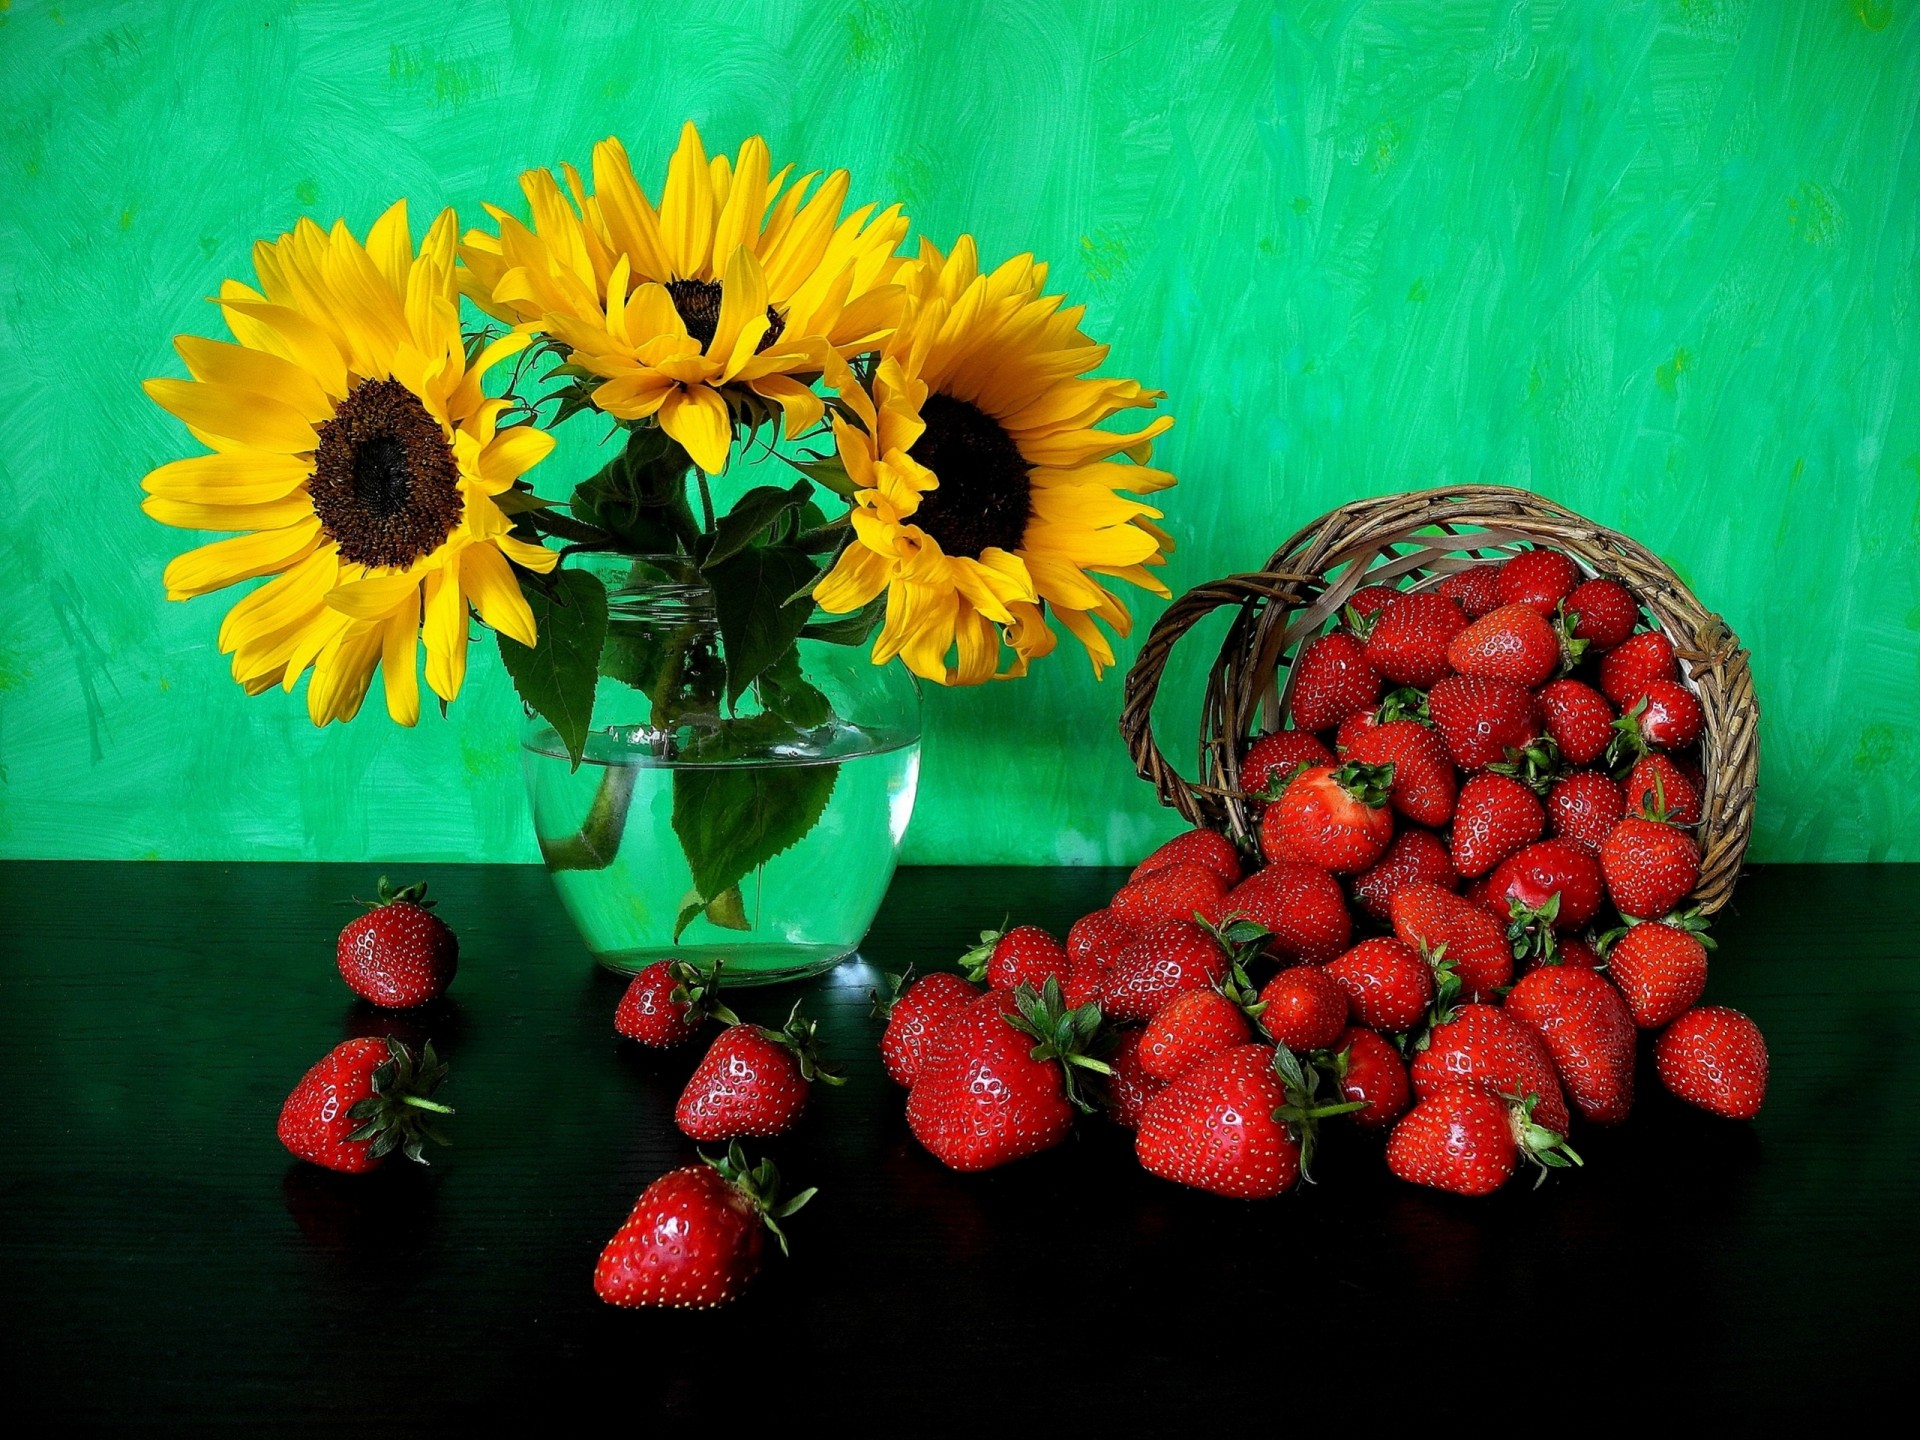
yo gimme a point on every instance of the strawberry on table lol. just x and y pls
(1538, 579)
(1483, 1045)
(1129, 1089)
(1603, 613)
(1193, 1027)
(1423, 785)
(666, 1004)
(1178, 892)
(1661, 969)
(1408, 641)
(1197, 847)
(1301, 907)
(1716, 1058)
(1469, 1141)
(362, 1101)
(1415, 857)
(1588, 1032)
(915, 1013)
(1274, 758)
(1331, 679)
(1162, 962)
(1305, 1008)
(1481, 718)
(1093, 944)
(1389, 985)
(399, 954)
(1006, 960)
(1335, 817)
(753, 1081)
(1583, 806)
(1512, 643)
(1476, 589)
(695, 1236)
(1637, 662)
(1494, 816)
(1579, 718)
(1365, 1068)
(1650, 866)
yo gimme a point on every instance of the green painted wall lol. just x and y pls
(1657, 260)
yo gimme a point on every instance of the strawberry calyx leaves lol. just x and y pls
(699, 992)
(1368, 784)
(1406, 703)
(1540, 1147)
(1244, 940)
(975, 959)
(801, 1035)
(1304, 1108)
(398, 1115)
(760, 1184)
(1691, 921)
(1572, 647)
(1530, 931)
(387, 893)
(1069, 1035)
(1358, 625)
(1278, 781)
(1535, 766)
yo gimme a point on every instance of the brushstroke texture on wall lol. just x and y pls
(1656, 260)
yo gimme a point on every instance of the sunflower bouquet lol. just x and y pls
(944, 482)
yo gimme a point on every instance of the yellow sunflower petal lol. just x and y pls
(697, 418)
(490, 586)
(399, 645)
(236, 478)
(241, 416)
(244, 557)
(856, 577)
(686, 209)
(444, 633)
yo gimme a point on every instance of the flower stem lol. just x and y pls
(598, 840)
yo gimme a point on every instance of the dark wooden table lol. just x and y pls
(163, 1260)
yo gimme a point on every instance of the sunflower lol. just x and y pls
(986, 496)
(353, 449)
(740, 287)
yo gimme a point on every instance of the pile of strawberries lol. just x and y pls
(1475, 849)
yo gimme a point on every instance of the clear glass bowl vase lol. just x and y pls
(759, 835)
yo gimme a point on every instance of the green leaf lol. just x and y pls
(829, 473)
(557, 677)
(640, 498)
(752, 514)
(785, 692)
(728, 910)
(853, 629)
(732, 819)
(751, 595)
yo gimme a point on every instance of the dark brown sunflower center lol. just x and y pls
(385, 484)
(698, 302)
(985, 497)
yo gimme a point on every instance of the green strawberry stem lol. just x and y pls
(1369, 784)
(1543, 1148)
(1304, 1109)
(1069, 1036)
(761, 1186)
(420, 1102)
(975, 959)
(802, 1036)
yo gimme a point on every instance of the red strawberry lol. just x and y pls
(1573, 951)
(1476, 590)
(1603, 613)
(1481, 719)
(1657, 783)
(1129, 1089)
(1512, 643)
(1093, 944)
(1469, 1141)
(364, 1099)
(1197, 847)
(668, 1002)
(1161, 962)
(1366, 1068)
(1538, 579)
(1191, 1028)
(1661, 969)
(1453, 932)
(1178, 892)
(1371, 599)
(1024, 955)
(399, 954)
(913, 1017)
(1494, 816)
(1277, 756)
(1578, 718)
(1232, 1125)
(1587, 1031)
(1302, 908)
(695, 1236)
(1483, 1045)
(1414, 857)
(1351, 729)
(1306, 1009)
(989, 1093)
(752, 1081)
(1715, 1058)
(1650, 866)
(1631, 666)
(1665, 714)
(1409, 639)
(1423, 785)
(1331, 679)
(1334, 817)
(1556, 880)
(1583, 807)
(1389, 986)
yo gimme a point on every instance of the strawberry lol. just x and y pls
(1331, 679)
(752, 1081)
(1469, 1141)
(1161, 962)
(1389, 986)
(1583, 807)
(1512, 643)
(1235, 1125)
(668, 1002)
(1631, 666)
(1483, 1045)
(1423, 785)
(1006, 960)
(1664, 715)
(694, 1237)
(1129, 1089)
(1655, 782)
(1409, 639)
(1093, 944)
(1367, 1069)
(1178, 892)
(1208, 848)
(1650, 866)
(1538, 579)
(1661, 969)
(1449, 931)
(1494, 816)
(1334, 817)
(990, 1094)
(1556, 881)
(1603, 613)
(1578, 718)
(1371, 599)
(1302, 908)
(363, 1100)
(916, 1012)
(1276, 758)
(1306, 1008)
(1414, 857)
(1351, 729)
(1482, 718)
(1573, 951)
(1476, 589)
(1192, 1027)
(1715, 1058)
(399, 954)
(1587, 1031)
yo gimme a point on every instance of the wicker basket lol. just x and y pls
(1426, 535)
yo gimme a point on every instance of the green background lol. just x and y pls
(1655, 260)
